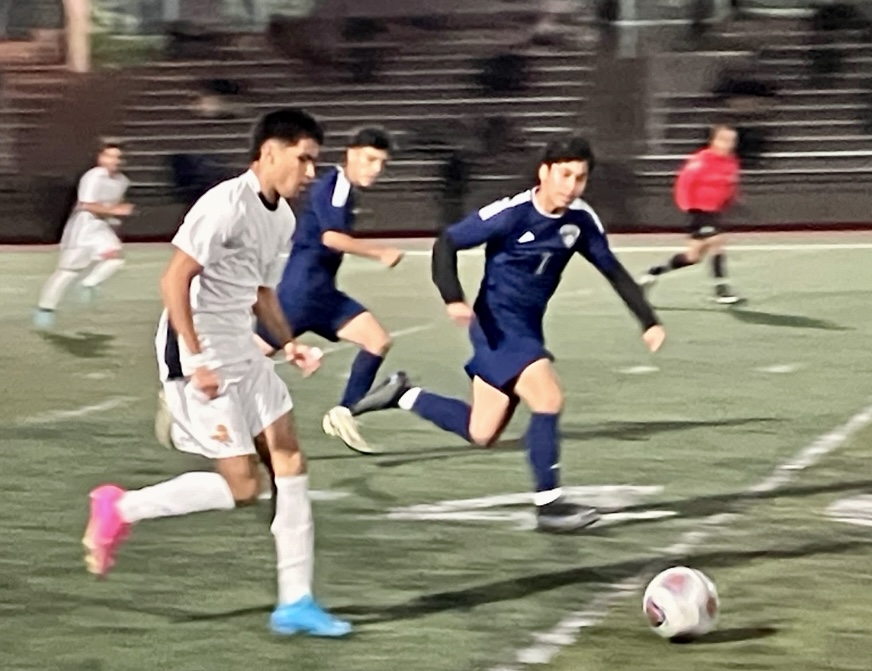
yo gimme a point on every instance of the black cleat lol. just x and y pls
(562, 516)
(383, 396)
(726, 296)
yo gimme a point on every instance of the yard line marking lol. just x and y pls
(547, 645)
(338, 347)
(779, 368)
(793, 246)
(55, 416)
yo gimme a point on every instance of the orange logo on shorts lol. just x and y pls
(221, 434)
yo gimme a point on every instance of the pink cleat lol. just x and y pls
(106, 529)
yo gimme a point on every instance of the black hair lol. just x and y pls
(289, 125)
(568, 148)
(110, 143)
(373, 136)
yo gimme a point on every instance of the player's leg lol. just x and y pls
(693, 254)
(716, 246)
(269, 405)
(480, 422)
(358, 326)
(108, 257)
(74, 258)
(216, 429)
(539, 387)
(365, 331)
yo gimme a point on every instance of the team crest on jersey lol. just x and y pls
(221, 434)
(569, 233)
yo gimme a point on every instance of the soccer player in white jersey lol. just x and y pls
(227, 402)
(89, 235)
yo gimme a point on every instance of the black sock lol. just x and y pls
(719, 266)
(676, 262)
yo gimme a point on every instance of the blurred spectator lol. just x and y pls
(216, 99)
(503, 73)
(364, 59)
(454, 174)
(5, 9)
(194, 174)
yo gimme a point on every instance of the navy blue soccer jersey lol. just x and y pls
(526, 253)
(312, 266)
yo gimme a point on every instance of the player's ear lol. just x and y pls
(543, 172)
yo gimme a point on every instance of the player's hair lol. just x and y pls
(110, 143)
(288, 125)
(372, 136)
(569, 148)
(718, 127)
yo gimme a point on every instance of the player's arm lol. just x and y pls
(488, 223)
(595, 248)
(685, 184)
(88, 200)
(175, 289)
(102, 210)
(269, 312)
(343, 242)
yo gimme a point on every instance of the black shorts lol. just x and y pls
(703, 225)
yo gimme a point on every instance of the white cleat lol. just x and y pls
(340, 423)
(163, 422)
(647, 282)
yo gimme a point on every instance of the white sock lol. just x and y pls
(407, 400)
(55, 287)
(102, 272)
(546, 497)
(188, 493)
(294, 532)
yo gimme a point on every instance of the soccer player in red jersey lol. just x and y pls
(706, 186)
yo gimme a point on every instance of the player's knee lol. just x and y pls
(548, 403)
(379, 343)
(112, 255)
(482, 436)
(245, 490)
(694, 254)
(717, 243)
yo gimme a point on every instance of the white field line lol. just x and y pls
(55, 416)
(548, 644)
(790, 247)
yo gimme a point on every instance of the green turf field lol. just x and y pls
(673, 444)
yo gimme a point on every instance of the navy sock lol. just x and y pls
(543, 450)
(719, 266)
(360, 379)
(449, 414)
(676, 262)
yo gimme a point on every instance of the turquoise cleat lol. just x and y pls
(44, 320)
(307, 617)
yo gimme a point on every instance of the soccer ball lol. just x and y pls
(681, 603)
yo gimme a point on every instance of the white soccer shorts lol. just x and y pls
(252, 396)
(86, 239)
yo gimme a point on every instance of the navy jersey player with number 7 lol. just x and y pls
(530, 239)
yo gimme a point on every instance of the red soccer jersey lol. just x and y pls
(708, 182)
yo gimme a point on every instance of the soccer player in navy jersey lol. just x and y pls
(307, 291)
(530, 239)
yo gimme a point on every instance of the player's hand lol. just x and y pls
(206, 381)
(123, 210)
(460, 313)
(390, 257)
(307, 359)
(654, 337)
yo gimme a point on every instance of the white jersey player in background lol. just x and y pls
(89, 235)
(226, 400)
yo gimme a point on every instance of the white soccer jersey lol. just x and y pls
(98, 186)
(242, 244)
